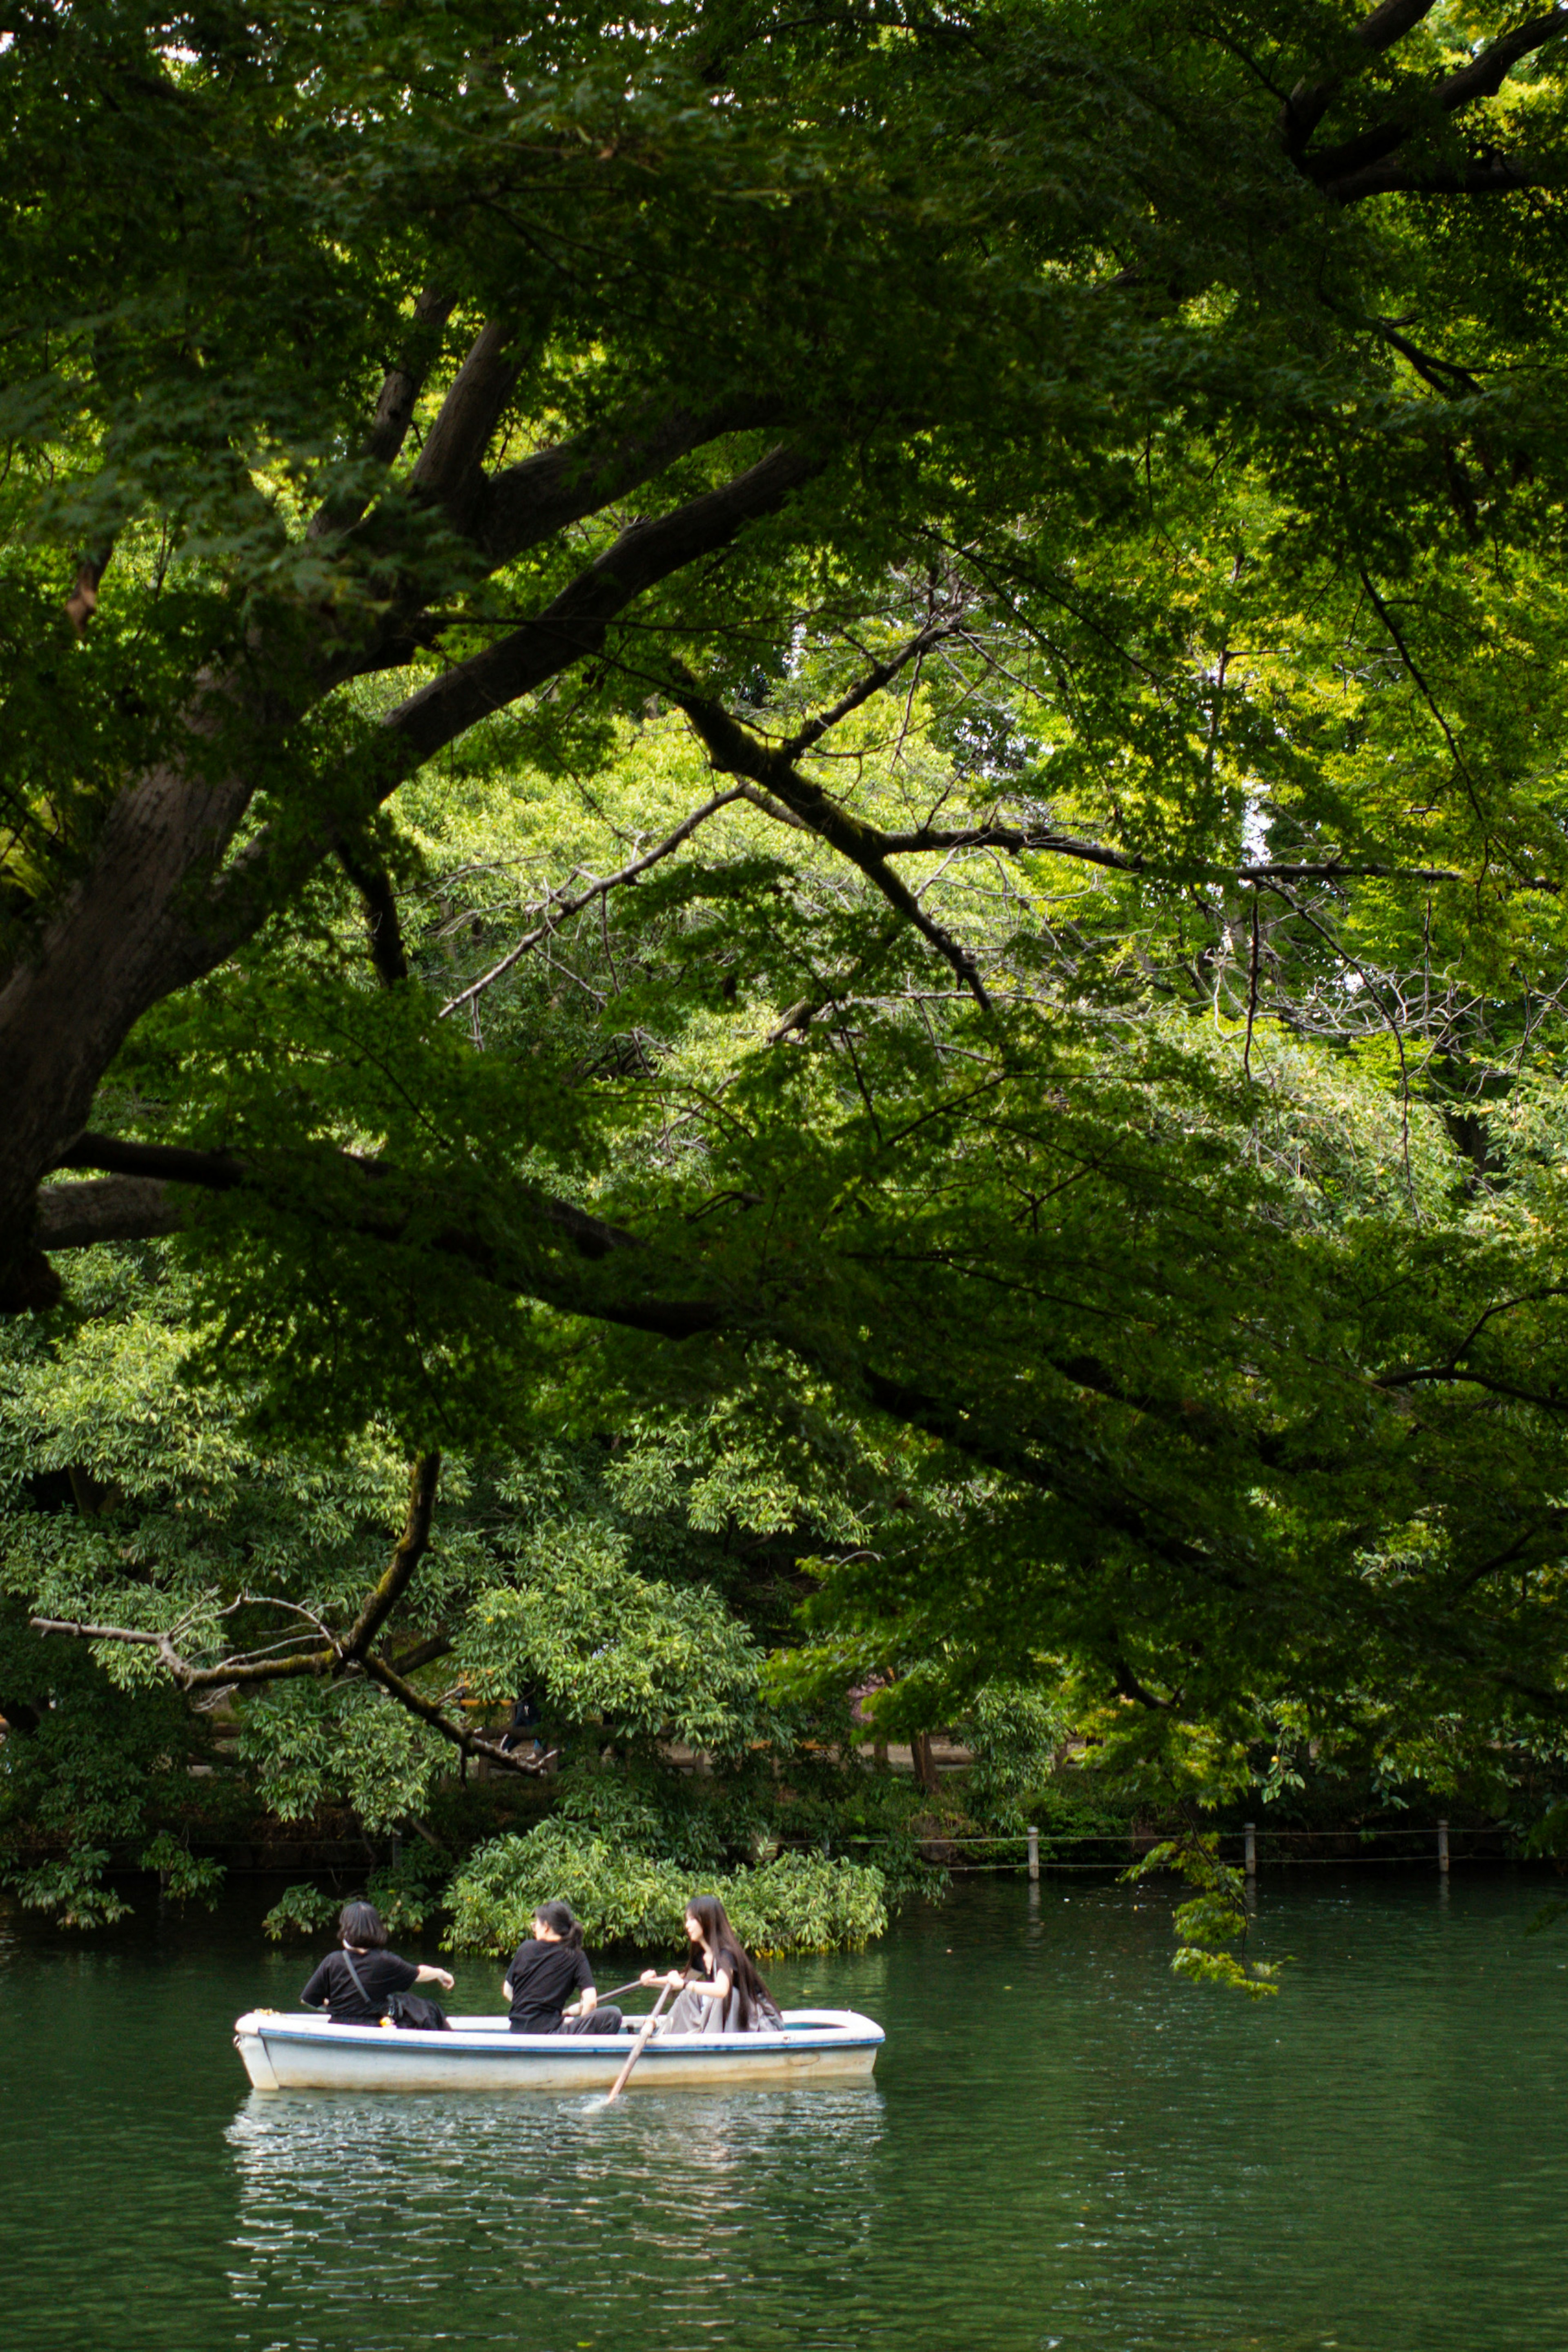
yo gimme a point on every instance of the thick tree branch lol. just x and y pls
(526, 503)
(1495, 178)
(574, 626)
(155, 908)
(471, 1743)
(1309, 101)
(373, 883)
(221, 1172)
(401, 388)
(449, 472)
(215, 1172)
(1482, 77)
(119, 1209)
(567, 631)
(412, 1546)
(531, 1245)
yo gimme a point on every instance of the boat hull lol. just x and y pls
(284, 2053)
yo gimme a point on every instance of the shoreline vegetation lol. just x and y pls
(837, 1863)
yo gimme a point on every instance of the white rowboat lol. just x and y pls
(284, 2051)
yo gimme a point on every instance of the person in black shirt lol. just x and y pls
(545, 1969)
(381, 1973)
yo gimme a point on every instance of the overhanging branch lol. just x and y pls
(336, 1656)
(735, 752)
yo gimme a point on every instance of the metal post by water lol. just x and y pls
(1033, 1835)
(1249, 1831)
(1443, 1847)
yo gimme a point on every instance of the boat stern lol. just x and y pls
(252, 2047)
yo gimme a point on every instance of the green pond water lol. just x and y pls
(1063, 2146)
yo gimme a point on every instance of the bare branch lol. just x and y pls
(563, 910)
(471, 1743)
(875, 678)
(735, 752)
(350, 1655)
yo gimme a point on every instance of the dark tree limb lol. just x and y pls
(401, 388)
(574, 626)
(471, 1743)
(449, 471)
(336, 1656)
(372, 880)
(880, 674)
(82, 601)
(1482, 77)
(523, 504)
(1495, 178)
(222, 1171)
(1309, 101)
(735, 752)
(412, 1545)
(532, 1251)
(567, 631)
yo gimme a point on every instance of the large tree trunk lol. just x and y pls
(122, 941)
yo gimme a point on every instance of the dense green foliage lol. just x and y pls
(805, 791)
(797, 1903)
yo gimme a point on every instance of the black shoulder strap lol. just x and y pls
(359, 1980)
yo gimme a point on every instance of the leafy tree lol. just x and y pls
(844, 731)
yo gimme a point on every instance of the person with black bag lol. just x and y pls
(362, 1982)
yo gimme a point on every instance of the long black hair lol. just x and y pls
(729, 1952)
(559, 1916)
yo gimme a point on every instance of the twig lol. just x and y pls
(561, 912)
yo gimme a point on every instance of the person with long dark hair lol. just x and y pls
(720, 1990)
(357, 1983)
(546, 1969)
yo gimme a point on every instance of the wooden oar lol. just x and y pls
(616, 1990)
(638, 2046)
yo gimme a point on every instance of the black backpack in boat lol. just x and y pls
(409, 2009)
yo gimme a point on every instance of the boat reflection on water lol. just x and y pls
(507, 2219)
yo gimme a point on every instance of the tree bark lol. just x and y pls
(153, 912)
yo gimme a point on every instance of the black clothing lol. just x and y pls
(543, 1977)
(605, 2020)
(333, 1989)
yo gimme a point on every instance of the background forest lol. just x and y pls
(782, 862)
